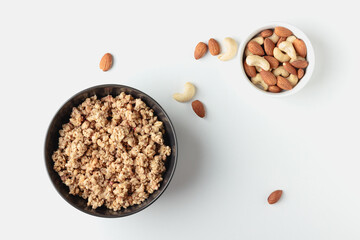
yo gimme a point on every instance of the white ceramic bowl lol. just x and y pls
(310, 57)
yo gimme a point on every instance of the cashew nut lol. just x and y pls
(258, 81)
(274, 38)
(297, 58)
(255, 60)
(280, 56)
(259, 40)
(288, 48)
(231, 49)
(293, 79)
(280, 71)
(248, 53)
(258, 69)
(187, 95)
(291, 38)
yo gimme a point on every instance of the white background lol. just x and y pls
(247, 146)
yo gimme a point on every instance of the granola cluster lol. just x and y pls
(112, 151)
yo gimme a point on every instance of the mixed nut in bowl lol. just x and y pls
(277, 59)
(111, 151)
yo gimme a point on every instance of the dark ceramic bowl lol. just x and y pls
(62, 117)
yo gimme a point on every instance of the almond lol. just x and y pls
(266, 33)
(283, 32)
(198, 108)
(300, 63)
(288, 67)
(250, 70)
(300, 47)
(274, 63)
(106, 62)
(200, 50)
(269, 46)
(214, 47)
(280, 40)
(283, 83)
(255, 48)
(268, 77)
(274, 89)
(300, 73)
(275, 196)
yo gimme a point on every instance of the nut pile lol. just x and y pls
(214, 49)
(275, 60)
(187, 95)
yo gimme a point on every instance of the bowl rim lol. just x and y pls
(310, 57)
(172, 170)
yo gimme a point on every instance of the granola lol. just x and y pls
(112, 151)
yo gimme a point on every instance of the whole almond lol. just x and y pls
(249, 70)
(283, 32)
(106, 62)
(255, 48)
(275, 196)
(266, 33)
(198, 108)
(300, 47)
(214, 47)
(269, 46)
(300, 63)
(288, 67)
(281, 39)
(274, 89)
(283, 83)
(300, 73)
(268, 77)
(274, 63)
(200, 50)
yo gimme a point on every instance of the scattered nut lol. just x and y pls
(187, 95)
(275, 196)
(200, 50)
(106, 62)
(214, 47)
(231, 49)
(255, 60)
(258, 81)
(279, 55)
(198, 108)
